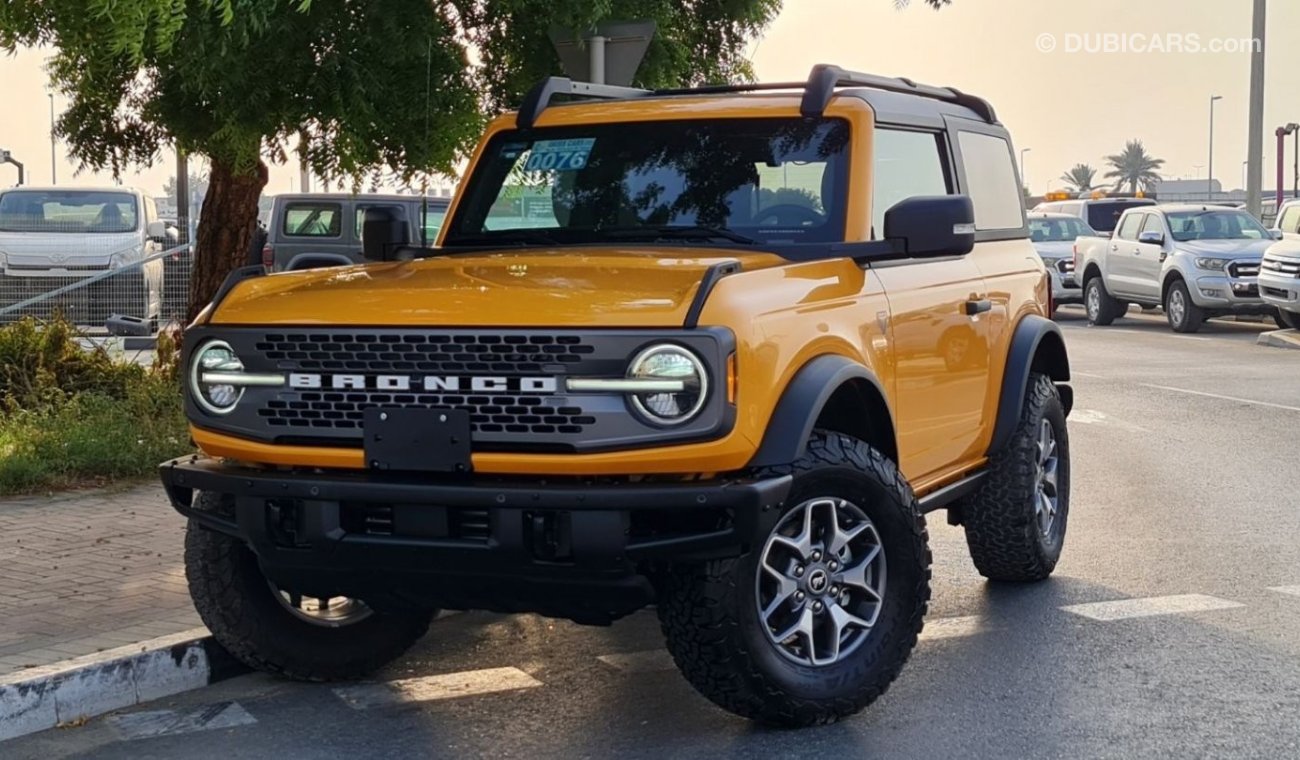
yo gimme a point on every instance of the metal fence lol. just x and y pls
(126, 291)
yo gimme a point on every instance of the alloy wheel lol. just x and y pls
(1046, 494)
(1177, 307)
(821, 581)
(327, 612)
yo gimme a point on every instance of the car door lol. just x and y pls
(1149, 257)
(938, 316)
(1121, 266)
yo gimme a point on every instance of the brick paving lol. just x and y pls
(88, 571)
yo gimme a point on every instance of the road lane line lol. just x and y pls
(1087, 374)
(1123, 609)
(429, 688)
(649, 661)
(951, 628)
(1222, 397)
(1289, 590)
(151, 723)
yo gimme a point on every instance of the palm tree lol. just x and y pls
(1080, 177)
(936, 4)
(1134, 167)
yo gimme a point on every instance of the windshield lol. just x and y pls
(1215, 225)
(1062, 230)
(1103, 217)
(67, 211)
(735, 180)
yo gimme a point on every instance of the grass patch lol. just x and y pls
(71, 416)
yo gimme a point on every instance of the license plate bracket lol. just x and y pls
(417, 440)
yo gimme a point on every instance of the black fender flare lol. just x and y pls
(1037, 345)
(801, 403)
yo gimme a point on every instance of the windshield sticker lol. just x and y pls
(559, 155)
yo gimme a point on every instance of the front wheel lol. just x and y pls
(1101, 306)
(1289, 320)
(281, 632)
(1015, 523)
(1184, 316)
(817, 621)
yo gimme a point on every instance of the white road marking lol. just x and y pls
(1087, 374)
(649, 661)
(951, 628)
(1222, 397)
(429, 688)
(1123, 609)
(1291, 590)
(1094, 417)
(150, 723)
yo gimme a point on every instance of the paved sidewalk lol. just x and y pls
(89, 571)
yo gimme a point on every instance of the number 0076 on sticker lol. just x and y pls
(559, 155)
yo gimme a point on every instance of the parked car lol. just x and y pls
(1101, 214)
(669, 384)
(58, 236)
(310, 230)
(1053, 236)
(1197, 261)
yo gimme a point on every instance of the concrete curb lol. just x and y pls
(1280, 339)
(66, 692)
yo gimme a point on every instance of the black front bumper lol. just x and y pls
(569, 548)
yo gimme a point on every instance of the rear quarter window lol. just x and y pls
(991, 182)
(319, 220)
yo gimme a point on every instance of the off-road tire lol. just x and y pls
(236, 603)
(1287, 320)
(1105, 308)
(711, 623)
(1193, 316)
(1001, 531)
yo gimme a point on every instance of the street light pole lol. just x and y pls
(1023, 179)
(54, 179)
(1255, 149)
(1209, 181)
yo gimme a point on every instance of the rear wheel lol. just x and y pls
(1015, 524)
(817, 621)
(1287, 319)
(279, 631)
(1184, 316)
(1101, 306)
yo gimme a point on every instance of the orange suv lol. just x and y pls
(714, 350)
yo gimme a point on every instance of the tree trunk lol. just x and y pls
(225, 231)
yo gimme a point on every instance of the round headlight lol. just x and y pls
(214, 358)
(669, 363)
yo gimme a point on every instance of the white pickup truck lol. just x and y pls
(1197, 261)
(52, 237)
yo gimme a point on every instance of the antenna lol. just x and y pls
(424, 181)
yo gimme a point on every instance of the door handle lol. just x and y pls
(978, 307)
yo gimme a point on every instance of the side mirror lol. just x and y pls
(1151, 238)
(382, 233)
(932, 225)
(156, 231)
(1275, 234)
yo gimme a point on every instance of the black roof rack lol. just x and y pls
(817, 92)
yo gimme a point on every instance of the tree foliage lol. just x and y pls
(1134, 167)
(1080, 177)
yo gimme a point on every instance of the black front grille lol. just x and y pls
(1243, 269)
(317, 410)
(422, 352)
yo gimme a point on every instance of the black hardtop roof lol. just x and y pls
(893, 99)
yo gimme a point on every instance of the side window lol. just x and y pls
(361, 215)
(905, 164)
(313, 220)
(1128, 229)
(991, 176)
(1154, 224)
(1290, 221)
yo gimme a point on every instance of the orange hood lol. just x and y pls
(609, 288)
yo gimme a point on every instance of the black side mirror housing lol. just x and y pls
(932, 225)
(382, 234)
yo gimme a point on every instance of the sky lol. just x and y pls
(1056, 71)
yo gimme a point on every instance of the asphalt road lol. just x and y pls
(1184, 503)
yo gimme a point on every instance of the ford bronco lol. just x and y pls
(715, 350)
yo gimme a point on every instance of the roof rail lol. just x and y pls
(817, 92)
(825, 78)
(540, 96)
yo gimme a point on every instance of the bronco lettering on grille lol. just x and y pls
(431, 383)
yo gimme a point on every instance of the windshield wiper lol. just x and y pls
(505, 237)
(670, 232)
